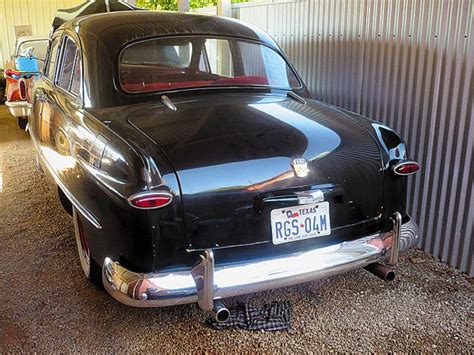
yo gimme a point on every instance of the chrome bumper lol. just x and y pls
(170, 288)
(19, 108)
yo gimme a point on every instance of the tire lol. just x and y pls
(92, 270)
(22, 122)
(3, 85)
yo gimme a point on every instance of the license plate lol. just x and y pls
(300, 222)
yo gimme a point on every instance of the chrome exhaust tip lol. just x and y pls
(220, 312)
(384, 272)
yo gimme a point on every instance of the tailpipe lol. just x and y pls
(220, 312)
(384, 272)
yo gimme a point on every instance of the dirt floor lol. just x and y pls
(46, 304)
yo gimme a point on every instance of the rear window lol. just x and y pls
(193, 62)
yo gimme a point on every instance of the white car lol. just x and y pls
(26, 63)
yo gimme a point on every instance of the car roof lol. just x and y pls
(118, 28)
(103, 36)
(88, 8)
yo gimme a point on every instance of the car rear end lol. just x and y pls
(17, 94)
(294, 193)
(269, 188)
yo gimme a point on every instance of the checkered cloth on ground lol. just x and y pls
(271, 317)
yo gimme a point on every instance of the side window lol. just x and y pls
(69, 77)
(67, 64)
(53, 57)
(76, 77)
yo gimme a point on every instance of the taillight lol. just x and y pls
(150, 200)
(406, 168)
(22, 88)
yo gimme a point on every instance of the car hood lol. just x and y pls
(228, 149)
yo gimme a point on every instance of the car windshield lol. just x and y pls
(37, 48)
(194, 62)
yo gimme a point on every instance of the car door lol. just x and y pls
(66, 136)
(57, 101)
(42, 88)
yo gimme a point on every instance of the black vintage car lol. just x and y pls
(196, 166)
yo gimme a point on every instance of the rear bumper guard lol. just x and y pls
(207, 281)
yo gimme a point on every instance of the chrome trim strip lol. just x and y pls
(175, 287)
(82, 210)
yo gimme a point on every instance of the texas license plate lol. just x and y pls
(300, 222)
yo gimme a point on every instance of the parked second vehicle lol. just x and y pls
(25, 66)
(196, 165)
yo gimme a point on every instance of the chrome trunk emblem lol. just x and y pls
(300, 167)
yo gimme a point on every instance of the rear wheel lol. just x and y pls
(91, 268)
(22, 122)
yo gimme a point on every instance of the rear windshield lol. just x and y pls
(193, 62)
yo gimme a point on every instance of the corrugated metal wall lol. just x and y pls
(38, 13)
(409, 64)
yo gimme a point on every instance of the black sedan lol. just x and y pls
(197, 166)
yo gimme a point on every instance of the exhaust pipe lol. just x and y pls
(382, 271)
(220, 312)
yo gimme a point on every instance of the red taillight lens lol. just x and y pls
(406, 168)
(22, 88)
(151, 200)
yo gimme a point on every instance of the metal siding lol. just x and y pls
(38, 13)
(409, 64)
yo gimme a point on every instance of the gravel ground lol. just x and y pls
(46, 304)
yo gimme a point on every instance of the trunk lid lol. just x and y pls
(232, 151)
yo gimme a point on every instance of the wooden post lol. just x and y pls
(224, 8)
(183, 5)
